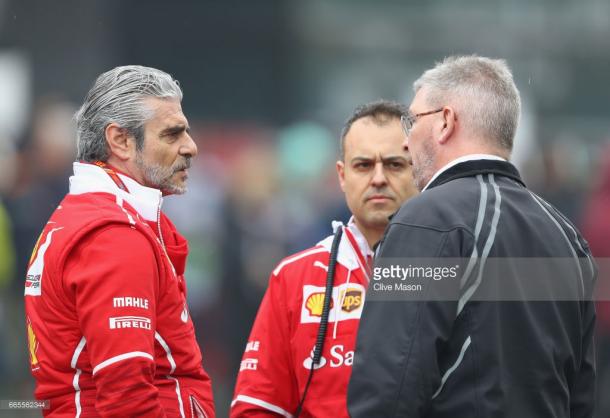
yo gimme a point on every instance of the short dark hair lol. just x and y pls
(381, 111)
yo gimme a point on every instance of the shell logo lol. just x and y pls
(315, 303)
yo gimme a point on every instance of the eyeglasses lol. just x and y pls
(409, 119)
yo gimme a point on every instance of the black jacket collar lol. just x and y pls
(474, 167)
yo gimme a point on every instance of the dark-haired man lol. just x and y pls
(375, 176)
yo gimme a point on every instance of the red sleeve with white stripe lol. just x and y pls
(113, 279)
(266, 385)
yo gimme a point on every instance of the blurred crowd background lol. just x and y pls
(267, 86)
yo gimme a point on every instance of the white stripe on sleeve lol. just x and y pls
(261, 403)
(120, 357)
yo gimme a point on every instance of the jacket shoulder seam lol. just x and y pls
(435, 229)
(303, 255)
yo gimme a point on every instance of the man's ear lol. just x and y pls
(341, 173)
(449, 125)
(122, 145)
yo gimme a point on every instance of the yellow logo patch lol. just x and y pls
(33, 344)
(315, 304)
(352, 299)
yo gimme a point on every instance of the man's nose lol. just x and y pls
(405, 143)
(189, 147)
(379, 177)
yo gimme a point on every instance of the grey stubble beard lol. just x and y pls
(160, 177)
(423, 170)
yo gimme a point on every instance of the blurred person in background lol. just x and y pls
(108, 326)
(596, 228)
(7, 272)
(33, 180)
(7, 250)
(47, 151)
(277, 362)
(456, 353)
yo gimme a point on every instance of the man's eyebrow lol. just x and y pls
(362, 158)
(393, 159)
(388, 159)
(176, 129)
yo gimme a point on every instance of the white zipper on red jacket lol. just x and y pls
(351, 239)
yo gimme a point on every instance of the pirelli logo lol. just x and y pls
(248, 364)
(120, 322)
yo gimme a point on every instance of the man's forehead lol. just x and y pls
(383, 141)
(166, 111)
(380, 120)
(374, 136)
(419, 98)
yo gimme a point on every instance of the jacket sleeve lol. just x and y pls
(583, 388)
(112, 278)
(396, 370)
(266, 385)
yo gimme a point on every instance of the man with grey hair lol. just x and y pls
(108, 325)
(490, 337)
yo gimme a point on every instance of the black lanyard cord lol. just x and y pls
(330, 277)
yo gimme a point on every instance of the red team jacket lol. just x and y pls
(108, 326)
(277, 358)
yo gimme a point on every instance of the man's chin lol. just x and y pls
(174, 185)
(380, 218)
(173, 188)
(167, 191)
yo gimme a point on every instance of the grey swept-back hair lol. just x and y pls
(484, 90)
(117, 96)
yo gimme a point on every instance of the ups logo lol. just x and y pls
(315, 303)
(352, 299)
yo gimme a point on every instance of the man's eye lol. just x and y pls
(395, 165)
(172, 136)
(362, 166)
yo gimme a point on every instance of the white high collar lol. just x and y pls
(346, 254)
(89, 178)
(363, 244)
(457, 161)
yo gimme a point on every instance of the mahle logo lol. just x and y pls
(352, 299)
(315, 304)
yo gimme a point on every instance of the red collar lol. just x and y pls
(363, 261)
(112, 172)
